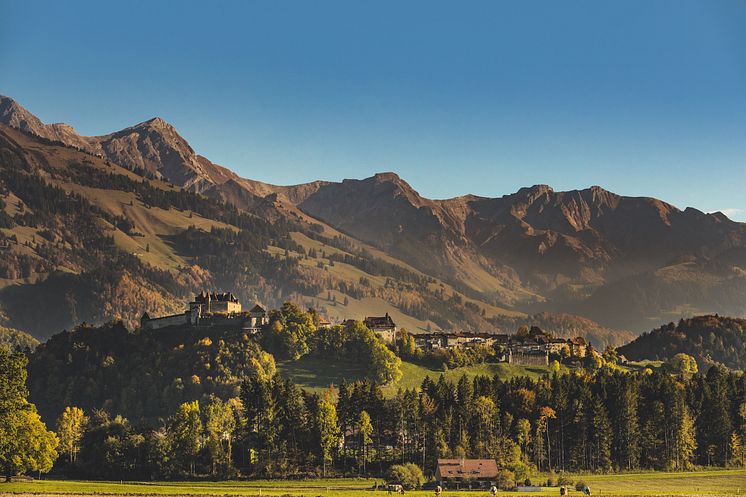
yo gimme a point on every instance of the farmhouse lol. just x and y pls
(383, 326)
(457, 473)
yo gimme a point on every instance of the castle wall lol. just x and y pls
(175, 320)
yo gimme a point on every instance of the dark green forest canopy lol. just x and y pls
(709, 339)
(140, 375)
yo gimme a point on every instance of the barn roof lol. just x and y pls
(467, 468)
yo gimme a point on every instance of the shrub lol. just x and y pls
(552, 479)
(505, 480)
(580, 485)
(407, 475)
(564, 481)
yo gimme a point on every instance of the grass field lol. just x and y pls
(316, 374)
(723, 482)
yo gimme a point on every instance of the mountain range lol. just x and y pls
(584, 261)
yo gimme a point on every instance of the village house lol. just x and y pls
(445, 340)
(466, 473)
(534, 347)
(383, 326)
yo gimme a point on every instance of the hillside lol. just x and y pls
(588, 252)
(96, 242)
(709, 339)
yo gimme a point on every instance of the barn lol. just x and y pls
(466, 473)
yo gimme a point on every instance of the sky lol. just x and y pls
(644, 98)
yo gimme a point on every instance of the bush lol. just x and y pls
(552, 479)
(505, 480)
(564, 481)
(580, 485)
(407, 475)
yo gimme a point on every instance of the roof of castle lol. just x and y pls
(220, 297)
(379, 321)
(257, 308)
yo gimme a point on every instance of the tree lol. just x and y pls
(683, 364)
(601, 436)
(523, 433)
(25, 443)
(365, 428)
(407, 475)
(542, 428)
(220, 424)
(328, 429)
(70, 428)
(186, 432)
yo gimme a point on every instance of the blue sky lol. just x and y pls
(641, 97)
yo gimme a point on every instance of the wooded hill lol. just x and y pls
(709, 339)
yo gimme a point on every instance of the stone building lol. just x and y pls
(211, 309)
(209, 303)
(383, 326)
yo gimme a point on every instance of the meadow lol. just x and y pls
(700, 483)
(315, 374)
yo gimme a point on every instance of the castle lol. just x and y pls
(211, 309)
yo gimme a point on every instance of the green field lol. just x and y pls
(316, 374)
(722, 482)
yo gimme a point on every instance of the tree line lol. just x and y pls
(602, 420)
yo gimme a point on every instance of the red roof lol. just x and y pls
(467, 468)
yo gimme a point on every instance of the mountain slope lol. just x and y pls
(466, 262)
(546, 250)
(96, 242)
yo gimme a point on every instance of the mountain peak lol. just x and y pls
(387, 176)
(158, 122)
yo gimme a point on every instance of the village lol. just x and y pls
(528, 346)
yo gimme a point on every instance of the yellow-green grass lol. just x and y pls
(318, 374)
(414, 374)
(700, 483)
(152, 223)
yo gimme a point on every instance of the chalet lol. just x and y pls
(457, 473)
(383, 326)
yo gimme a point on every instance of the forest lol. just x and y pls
(709, 339)
(178, 404)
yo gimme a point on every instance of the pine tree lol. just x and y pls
(601, 436)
